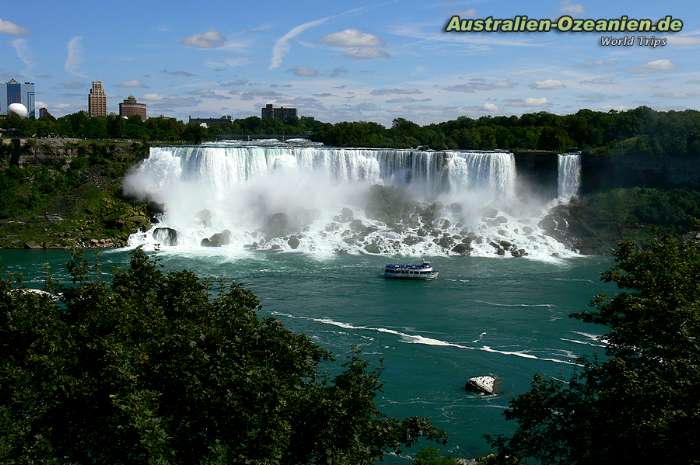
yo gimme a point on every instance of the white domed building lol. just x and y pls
(17, 109)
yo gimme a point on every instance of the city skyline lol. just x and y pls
(368, 62)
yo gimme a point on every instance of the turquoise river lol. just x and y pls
(505, 317)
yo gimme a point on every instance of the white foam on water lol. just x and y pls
(418, 339)
(269, 196)
(514, 305)
(586, 343)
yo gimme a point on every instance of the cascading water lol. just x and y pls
(231, 198)
(569, 176)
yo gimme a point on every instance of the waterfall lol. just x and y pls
(569, 176)
(234, 198)
(432, 173)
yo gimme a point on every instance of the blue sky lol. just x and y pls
(342, 60)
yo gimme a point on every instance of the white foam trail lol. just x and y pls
(576, 341)
(289, 198)
(593, 337)
(514, 305)
(418, 339)
(569, 176)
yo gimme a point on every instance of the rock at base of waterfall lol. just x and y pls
(345, 216)
(483, 384)
(218, 239)
(372, 248)
(166, 236)
(293, 242)
(517, 253)
(462, 249)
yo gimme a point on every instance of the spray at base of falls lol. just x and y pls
(230, 199)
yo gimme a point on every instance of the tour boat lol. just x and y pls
(400, 271)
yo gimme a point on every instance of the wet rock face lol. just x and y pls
(570, 231)
(218, 239)
(166, 236)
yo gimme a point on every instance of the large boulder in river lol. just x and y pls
(483, 384)
(293, 242)
(166, 236)
(218, 239)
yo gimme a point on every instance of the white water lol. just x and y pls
(569, 176)
(266, 195)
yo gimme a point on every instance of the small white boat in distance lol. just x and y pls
(401, 271)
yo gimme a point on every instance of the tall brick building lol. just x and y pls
(97, 100)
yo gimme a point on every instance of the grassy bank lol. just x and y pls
(69, 195)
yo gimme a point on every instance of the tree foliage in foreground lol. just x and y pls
(642, 405)
(151, 369)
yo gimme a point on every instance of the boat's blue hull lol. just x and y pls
(421, 277)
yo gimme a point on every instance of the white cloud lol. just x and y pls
(131, 83)
(662, 64)
(395, 91)
(490, 107)
(351, 38)
(304, 71)
(8, 27)
(548, 84)
(366, 53)
(209, 39)
(571, 8)
(470, 13)
(74, 56)
(220, 65)
(20, 46)
(281, 47)
(535, 101)
(480, 84)
(153, 97)
(356, 44)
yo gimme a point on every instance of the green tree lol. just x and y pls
(158, 368)
(641, 405)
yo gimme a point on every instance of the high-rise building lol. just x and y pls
(97, 100)
(15, 92)
(44, 113)
(130, 107)
(281, 113)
